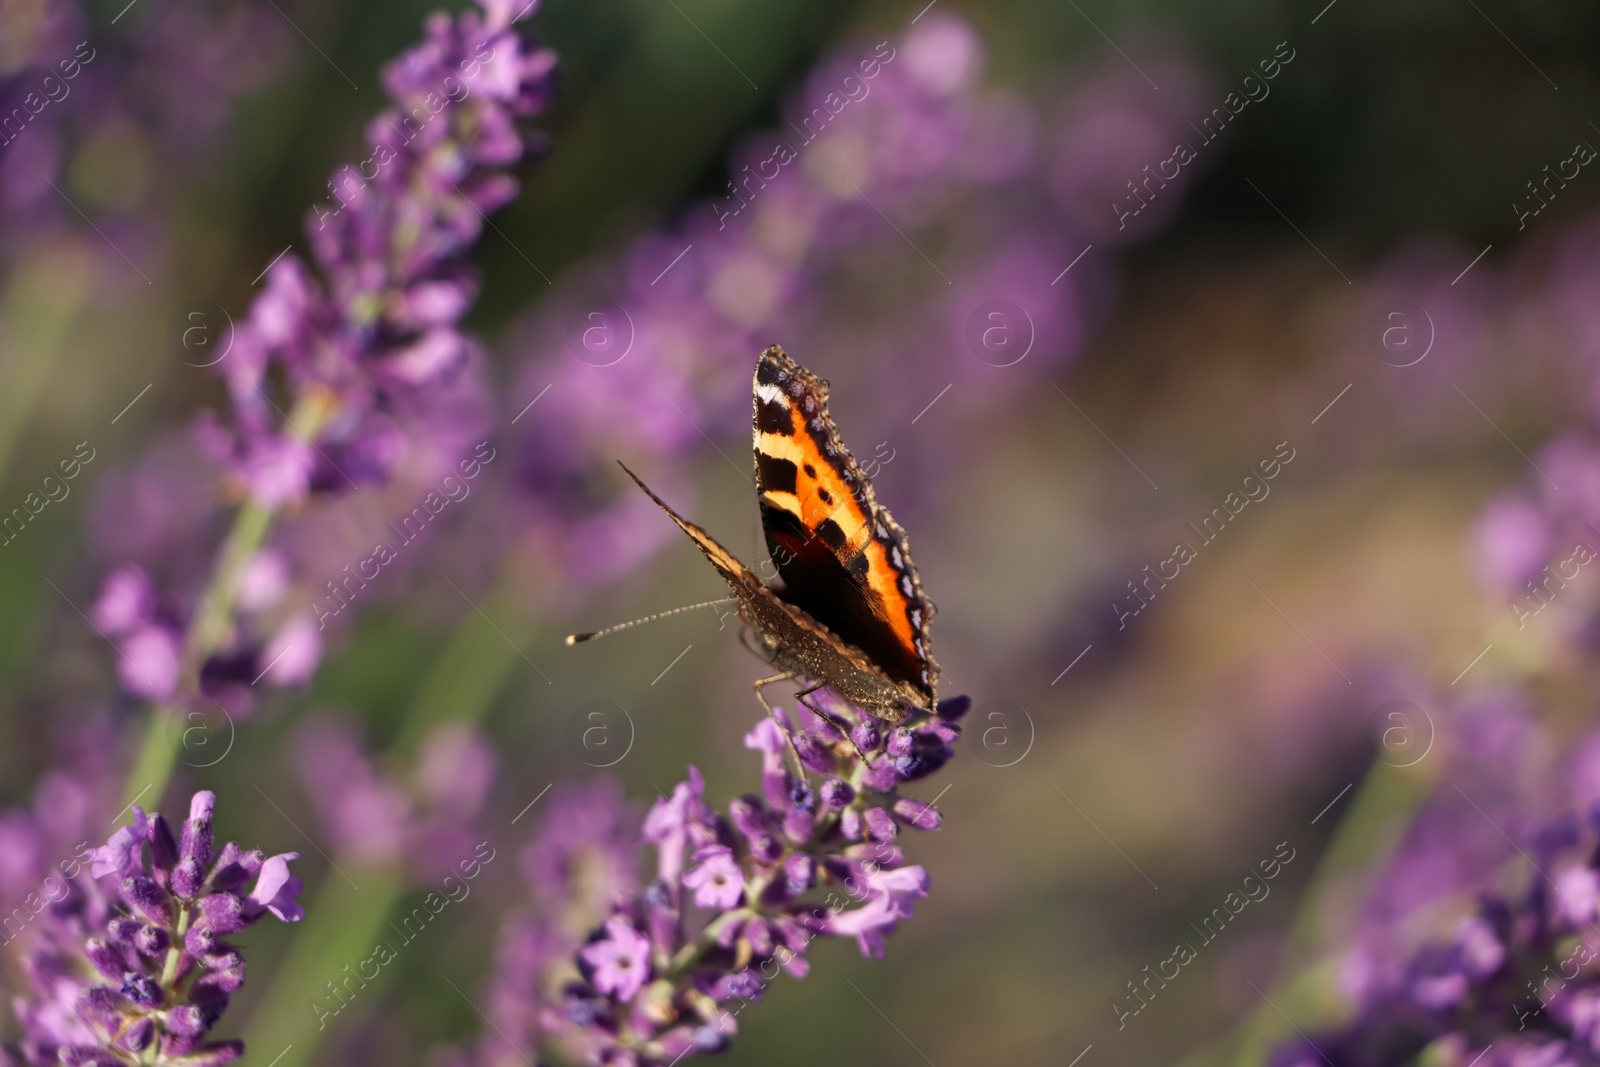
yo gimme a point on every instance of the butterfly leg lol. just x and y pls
(787, 736)
(828, 717)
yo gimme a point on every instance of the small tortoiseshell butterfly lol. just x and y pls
(848, 612)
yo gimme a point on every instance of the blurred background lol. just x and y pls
(1354, 326)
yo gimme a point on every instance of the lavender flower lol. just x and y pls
(737, 897)
(1477, 936)
(1513, 985)
(354, 373)
(135, 968)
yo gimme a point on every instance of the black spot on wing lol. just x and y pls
(772, 416)
(827, 497)
(776, 474)
(811, 472)
(832, 534)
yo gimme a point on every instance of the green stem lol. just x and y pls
(169, 971)
(690, 954)
(214, 617)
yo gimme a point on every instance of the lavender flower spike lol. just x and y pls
(351, 369)
(1514, 985)
(135, 969)
(737, 898)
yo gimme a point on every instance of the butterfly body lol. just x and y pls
(848, 611)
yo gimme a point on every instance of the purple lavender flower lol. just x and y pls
(351, 372)
(135, 968)
(1514, 984)
(1512, 978)
(618, 959)
(365, 348)
(737, 898)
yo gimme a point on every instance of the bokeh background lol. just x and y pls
(1121, 772)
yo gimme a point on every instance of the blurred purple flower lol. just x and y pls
(1512, 982)
(352, 373)
(364, 346)
(422, 819)
(581, 861)
(132, 967)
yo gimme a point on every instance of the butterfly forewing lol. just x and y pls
(842, 557)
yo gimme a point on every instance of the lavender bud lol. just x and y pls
(766, 849)
(879, 824)
(139, 1035)
(107, 960)
(185, 1021)
(917, 813)
(748, 815)
(163, 848)
(881, 776)
(197, 828)
(187, 878)
(201, 940)
(222, 912)
(850, 824)
(759, 934)
(147, 900)
(152, 940)
(865, 735)
(814, 755)
(78, 1056)
(800, 870)
(798, 823)
(836, 794)
(954, 708)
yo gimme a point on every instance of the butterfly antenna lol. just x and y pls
(573, 639)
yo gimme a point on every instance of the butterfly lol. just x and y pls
(847, 612)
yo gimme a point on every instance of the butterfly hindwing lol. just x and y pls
(842, 557)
